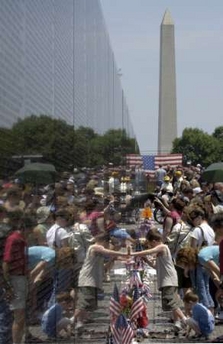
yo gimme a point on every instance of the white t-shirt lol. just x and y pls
(209, 234)
(167, 186)
(55, 235)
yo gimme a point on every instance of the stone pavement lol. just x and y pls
(159, 327)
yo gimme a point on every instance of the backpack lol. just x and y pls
(179, 239)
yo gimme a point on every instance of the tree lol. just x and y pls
(218, 133)
(53, 138)
(6, 151)
(61, 144)
(197, 147)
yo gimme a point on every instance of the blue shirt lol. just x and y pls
(50, 319)
(38, 253)
(205, 319)
(209, 253)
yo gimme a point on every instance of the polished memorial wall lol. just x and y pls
(56, 59)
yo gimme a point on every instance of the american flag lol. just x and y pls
(137, 306)
(115, 307)
(122, 331)
(145, 290)
(151, 162)
(135, 279)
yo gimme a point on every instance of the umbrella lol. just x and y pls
(37, 173)
(213, 173)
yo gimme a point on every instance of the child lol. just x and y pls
(201, 320)
(54, 324)
(166, 276)
(91, 278)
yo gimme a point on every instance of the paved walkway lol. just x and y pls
(159, 326)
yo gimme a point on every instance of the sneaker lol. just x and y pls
(29, 339)
(178, 326)
(200, 337)
(79, 325)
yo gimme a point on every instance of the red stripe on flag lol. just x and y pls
(137, 308)
(115, 307)
(133, 160)
(172, 160)
(123, 335)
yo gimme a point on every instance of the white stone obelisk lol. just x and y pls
(167, 125)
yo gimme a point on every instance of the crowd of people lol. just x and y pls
(191, 249)
(59, 242)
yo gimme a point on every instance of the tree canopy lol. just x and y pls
(61, 144)
(67, 147)
(199, 147)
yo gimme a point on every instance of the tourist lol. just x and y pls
(167, 281)
(91, 278)
(201, 320)
(54, 323)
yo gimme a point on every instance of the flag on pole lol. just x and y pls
(137, 306)
(115, 306)
(135, 279)
(122, 331)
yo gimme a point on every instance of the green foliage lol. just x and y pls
(53, 138)
(218, 133)
(6, 151)
(66, 147)
(61, 144)
(198, 147)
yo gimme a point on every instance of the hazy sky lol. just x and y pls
(134, 30)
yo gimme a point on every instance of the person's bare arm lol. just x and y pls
(38, 270)
(5, 268)
(167, 228)
(150, 261)
(165, 209)
(6, 283)
(107, 252)
(158, 249)
(193, 242)
(213, 270)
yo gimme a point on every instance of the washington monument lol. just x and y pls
(167, 125)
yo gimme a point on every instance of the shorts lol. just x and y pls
(193, 324)
(170, 298)
(87, 298)
(61, 324)
(20, 287)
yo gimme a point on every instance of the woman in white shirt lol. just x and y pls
(202, 234)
